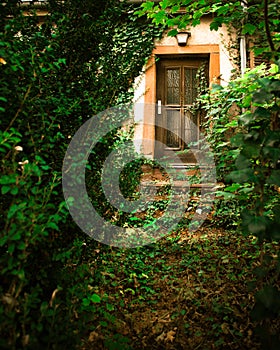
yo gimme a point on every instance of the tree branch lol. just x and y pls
(268, 34)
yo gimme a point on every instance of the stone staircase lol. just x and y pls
(157, 178)
(157, 185)
(194, 196)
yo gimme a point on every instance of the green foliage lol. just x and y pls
(30, 223)
(245, 137)
(257, 18)
(196, 283)
(53, 78)
(243, 133)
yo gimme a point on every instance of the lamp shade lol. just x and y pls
(182, 38)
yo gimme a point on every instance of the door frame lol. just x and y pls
(181, 62)
(150, 96)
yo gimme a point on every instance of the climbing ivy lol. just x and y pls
(254, 18)
(54, 76)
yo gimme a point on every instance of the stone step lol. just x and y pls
(181, 184)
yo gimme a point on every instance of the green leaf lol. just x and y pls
(223, 10)
(3, 240)
(217, 88)
(5, 189)
(53, 225)
(225, 195)
(249, 29)
(274, 69)
(246, 118)
(172, 32)
(17, 236)
(86, 302)
(233, 187)
(232, 124)
(95, 298)
(164, 4)
(215, 25)
(242, 162)
(6, 179)
(21, 246)
(45, 167)
(175, 8)
(148, 5)
(14, 190)
(262, 96)
(258, 225)
(160, 17)
(110, 307)
(11, 248)
(12, 210)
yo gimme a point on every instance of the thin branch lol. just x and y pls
(20, 107)
(268, 33)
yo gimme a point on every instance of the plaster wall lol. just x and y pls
(202, 35)
(201, 41)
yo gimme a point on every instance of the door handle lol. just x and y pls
(159, 107)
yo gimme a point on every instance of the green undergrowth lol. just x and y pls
(183, 292)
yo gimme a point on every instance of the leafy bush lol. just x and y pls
(245, 136)
(244, 141)
(53, 78)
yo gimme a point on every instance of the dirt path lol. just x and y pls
(185, 292)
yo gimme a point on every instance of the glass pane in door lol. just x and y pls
(190, 93)
(173, 86)
(190, 85)
(173, 128)
(191, 128)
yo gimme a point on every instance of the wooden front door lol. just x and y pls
(178, 128)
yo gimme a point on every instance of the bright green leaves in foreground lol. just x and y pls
(257, 18)
(245, 134)
(259, 153)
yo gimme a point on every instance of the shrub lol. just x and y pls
(53, 78)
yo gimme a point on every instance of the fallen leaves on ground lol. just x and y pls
(185, 292)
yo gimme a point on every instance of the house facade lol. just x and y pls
(168, 86)
(169, 83)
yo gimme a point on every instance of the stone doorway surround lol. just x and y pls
(151, 76)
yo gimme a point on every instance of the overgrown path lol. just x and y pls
(185, 292)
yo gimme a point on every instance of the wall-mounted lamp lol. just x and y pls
(182, 38)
